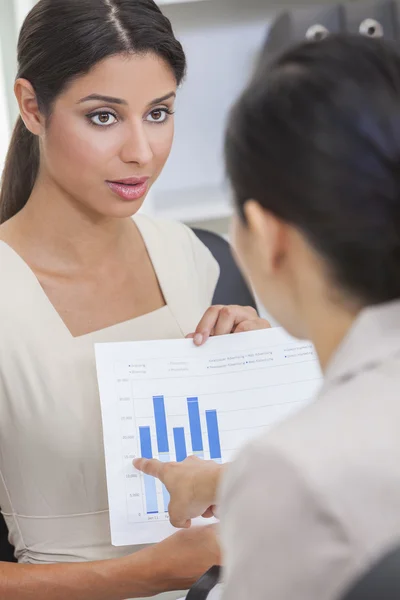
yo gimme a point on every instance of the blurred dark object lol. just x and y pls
(205, 584)
(382, 582)
(231, 287)
(6, 550)
(374, 18)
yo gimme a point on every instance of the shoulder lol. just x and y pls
(277, 531)
(349, 434)
(14, 273)
(172, 233)
(19, 291)
(160, 227)
(181, 247)
(325, 487)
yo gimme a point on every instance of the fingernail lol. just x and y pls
(198, 339)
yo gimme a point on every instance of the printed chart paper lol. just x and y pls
(169, 399)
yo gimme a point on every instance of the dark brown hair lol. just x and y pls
(63, 39)
(315, 139)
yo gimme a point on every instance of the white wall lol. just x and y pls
(221, 39)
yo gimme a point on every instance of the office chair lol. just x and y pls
(382, 582)
(203, 587)
(6, 550)
(231, 287)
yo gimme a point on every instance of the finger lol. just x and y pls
(227, 320)
(253, 325)
(190, 336)
(150, 466)
(177, 515)
(206, 325)
(231, 316)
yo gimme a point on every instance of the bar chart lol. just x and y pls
(169, 400)
(180, 448)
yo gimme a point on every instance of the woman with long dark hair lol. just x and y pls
(96, 85)
(313, 155)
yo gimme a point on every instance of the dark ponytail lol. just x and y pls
(20, 171)
(63, 39)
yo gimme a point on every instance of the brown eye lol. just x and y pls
(316, 33)
(158, 115)
(371, 28)
(103, 119)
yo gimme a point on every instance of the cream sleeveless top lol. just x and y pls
(52, 474)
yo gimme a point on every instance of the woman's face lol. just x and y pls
(110, 134)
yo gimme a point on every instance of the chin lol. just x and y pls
(118, 209)
(128, 209)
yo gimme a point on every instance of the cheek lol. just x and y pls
(76, 145)
(160, 138)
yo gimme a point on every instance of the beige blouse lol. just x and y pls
(308, 507)
(52, 474)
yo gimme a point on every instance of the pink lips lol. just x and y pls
(132, 188)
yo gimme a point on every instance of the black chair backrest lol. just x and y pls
(231, 287)
(382, 582)
(205, 584)
(6, 550)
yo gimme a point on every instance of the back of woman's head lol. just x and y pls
(64, 39)
(315, 139)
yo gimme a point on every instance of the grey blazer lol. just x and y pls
(308, 506)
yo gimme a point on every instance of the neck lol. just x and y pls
(328, 325)
(327, 313)
(57, 226)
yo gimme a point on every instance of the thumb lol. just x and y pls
(178, 514)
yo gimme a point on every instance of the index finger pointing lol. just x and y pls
(149, 466)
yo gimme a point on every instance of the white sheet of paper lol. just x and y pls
(168, 399)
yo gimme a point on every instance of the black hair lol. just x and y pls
(63, 39)
(315, 139)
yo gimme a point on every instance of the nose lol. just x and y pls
(136, 147)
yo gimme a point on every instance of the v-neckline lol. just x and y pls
(155, 261)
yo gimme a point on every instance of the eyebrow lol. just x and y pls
(162, 99)
(101, 98)
(120, 101)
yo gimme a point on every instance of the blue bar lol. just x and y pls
(166, 496)
(213, 434)
(195, 425)
(149, 482)
(161, 424)
(180, 444)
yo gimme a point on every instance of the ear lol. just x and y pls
(28, 106)
(268, 233)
